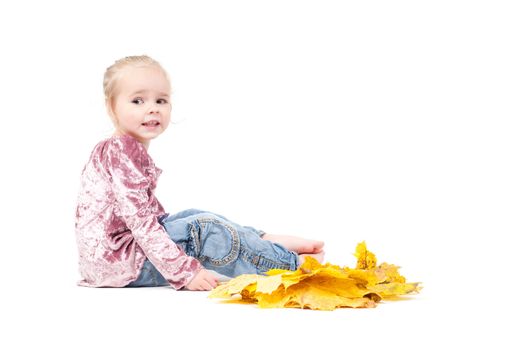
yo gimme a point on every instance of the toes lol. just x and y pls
(318, 247)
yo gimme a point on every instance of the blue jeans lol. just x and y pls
(220, 245)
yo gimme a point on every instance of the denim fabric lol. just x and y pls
(149, 277)
(220, 245)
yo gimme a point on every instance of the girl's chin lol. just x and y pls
(147, 136)
(141, 135)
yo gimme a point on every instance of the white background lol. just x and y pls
(401, 123)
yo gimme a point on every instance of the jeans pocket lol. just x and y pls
(215, 240)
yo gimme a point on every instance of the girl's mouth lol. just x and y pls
(151, 123)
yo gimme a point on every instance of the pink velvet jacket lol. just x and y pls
(117, 219)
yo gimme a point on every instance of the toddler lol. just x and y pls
(124, 235)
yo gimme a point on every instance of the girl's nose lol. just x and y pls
(153, 108)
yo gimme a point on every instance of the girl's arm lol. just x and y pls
(126, 159)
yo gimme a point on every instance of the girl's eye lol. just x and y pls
(162, 101)
(138, 101)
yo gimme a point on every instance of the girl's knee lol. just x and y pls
(186, 213)
(194, 211)
(218, 241)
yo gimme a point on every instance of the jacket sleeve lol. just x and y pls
(132, 188)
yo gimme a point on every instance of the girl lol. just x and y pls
(125, 237)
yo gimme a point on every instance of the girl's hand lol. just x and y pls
(204, 280)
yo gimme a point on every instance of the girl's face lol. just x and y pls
(141, 105)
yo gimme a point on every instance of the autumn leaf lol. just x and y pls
(269, 284)
(365, 259)
(234, 286)
(321, 286)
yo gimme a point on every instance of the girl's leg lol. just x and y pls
(149, 277)
(190, 212)
(226, 247)
(182, 214)
(296, 244)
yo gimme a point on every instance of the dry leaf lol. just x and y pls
(365, 259)
(321, 286)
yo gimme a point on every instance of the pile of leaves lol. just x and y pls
(320, 286)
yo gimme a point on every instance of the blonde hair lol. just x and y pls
(114, 73)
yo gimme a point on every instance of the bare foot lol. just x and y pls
(296, 244)
(318, 256)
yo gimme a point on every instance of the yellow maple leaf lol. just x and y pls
(269, 284)
(278, 298)
(386, 290)
(234, 286)
(387, 273)
(310, 296)
(321, 286)
(365, 259)
(341, 287)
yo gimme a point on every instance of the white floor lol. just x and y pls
(147, 318)
(472, 297)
